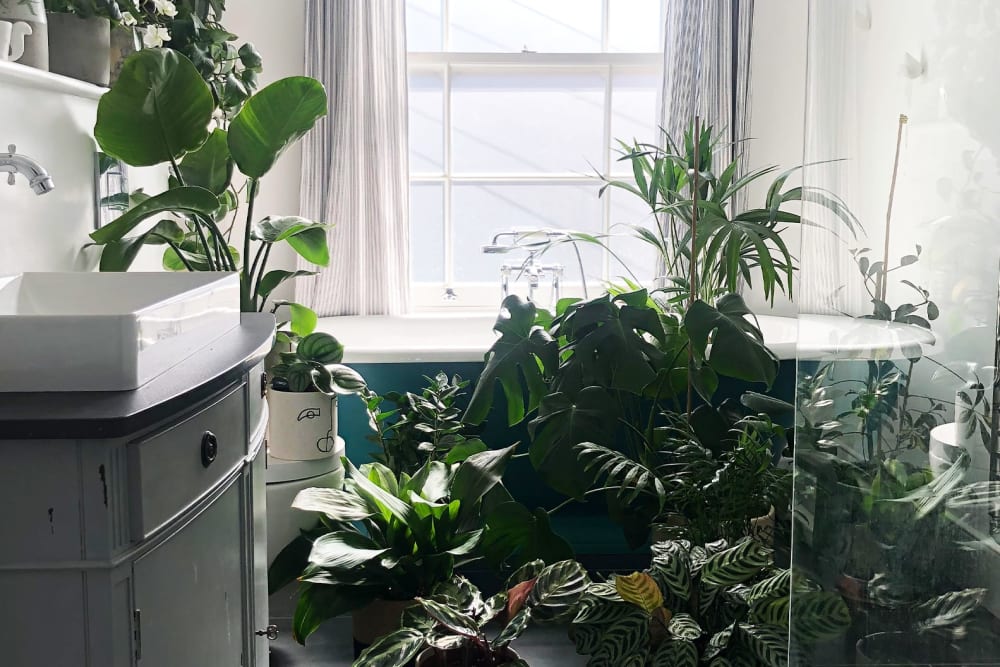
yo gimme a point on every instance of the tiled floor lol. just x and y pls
(330, 646)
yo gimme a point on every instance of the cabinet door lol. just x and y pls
(189, 592)
(258, 495)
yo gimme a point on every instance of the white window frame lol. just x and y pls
(449, 294)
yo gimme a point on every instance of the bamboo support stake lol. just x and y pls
(884, 278)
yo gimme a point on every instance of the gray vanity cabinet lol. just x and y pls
(134, 528)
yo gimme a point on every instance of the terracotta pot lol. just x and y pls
(433, 657)
(301, 426)
(80, 48)
(377, 619)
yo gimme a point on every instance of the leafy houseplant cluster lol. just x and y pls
(716, 604)
(160, 111)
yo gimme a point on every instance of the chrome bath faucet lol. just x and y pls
(38, 178)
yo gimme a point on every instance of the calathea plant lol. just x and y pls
(385, 537)
(160, 111)
(715, 604)
(450, 624)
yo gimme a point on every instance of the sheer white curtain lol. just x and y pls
(355, 171)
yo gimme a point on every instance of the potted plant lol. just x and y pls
(80, 38)
(385, 540)
(194, 217)
(422, 427)
(302, 395)
(449, 627)
(716, 603)
(28, 42)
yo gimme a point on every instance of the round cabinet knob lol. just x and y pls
(209, 448)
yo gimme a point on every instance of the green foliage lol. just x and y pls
(718, 604)
(455, 615)
(731, 245)
(422, 427)
(159, 111)
(314, 365)
(387, 536)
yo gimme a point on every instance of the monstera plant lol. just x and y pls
(609, 372)
(160, 111)
(715, 604)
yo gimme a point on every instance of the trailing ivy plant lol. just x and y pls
(716, 604)
(453, 620)
(160, 111)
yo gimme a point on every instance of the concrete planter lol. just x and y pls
(80, 48)
(302, 425)
(28, 39)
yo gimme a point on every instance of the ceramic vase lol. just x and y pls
(302, 425)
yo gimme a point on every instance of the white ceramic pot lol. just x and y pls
(28, 42)
(302, 425)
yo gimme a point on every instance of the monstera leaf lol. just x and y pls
(158, 110)
(611, 341)
(523, 350)
(562, 424)
(737, 346)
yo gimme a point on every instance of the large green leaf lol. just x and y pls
(670, 568)
(344, 550)
(522, 349)
(306, 237)
(270, 281)
(675, 653)
(158, 110)
(209, 167)
(393, 650)
(337, 504)
(190, 200)
(768, 643)
(477, 475)
(736, 564)
(609, 342)
(321, 602)
(516, 535)
(557, 591)
(272, 120)
(818, 616)
(620, 640)
(119, 255)
(560, 426)
(453, 619)
(737, 348)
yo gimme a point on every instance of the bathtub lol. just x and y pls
(466, 336)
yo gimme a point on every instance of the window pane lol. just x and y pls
(634, 109)
(427, 232)
(510, 26)
(638, 257)
(527, 122)
(426, 102)
(481, 210)
(423, 25)
(635, 26)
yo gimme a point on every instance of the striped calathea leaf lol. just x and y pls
(717, 604)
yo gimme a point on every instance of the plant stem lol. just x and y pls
(260, 274)
(883, 283)
(204, 244)
(251, 200)
(693, 280)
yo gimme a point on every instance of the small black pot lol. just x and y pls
(458, 657)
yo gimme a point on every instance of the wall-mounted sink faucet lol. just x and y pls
(38, 178)
(534, 241)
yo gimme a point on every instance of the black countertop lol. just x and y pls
(114, 414)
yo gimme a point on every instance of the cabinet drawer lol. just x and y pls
(174, 468)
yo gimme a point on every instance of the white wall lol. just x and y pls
(50, 120)
(778, 85)
(280, 40)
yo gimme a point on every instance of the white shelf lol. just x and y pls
(30, 77)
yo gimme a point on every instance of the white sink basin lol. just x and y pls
(107, 331)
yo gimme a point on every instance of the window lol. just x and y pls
(514, 107)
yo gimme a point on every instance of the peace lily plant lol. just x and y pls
(161, 111)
